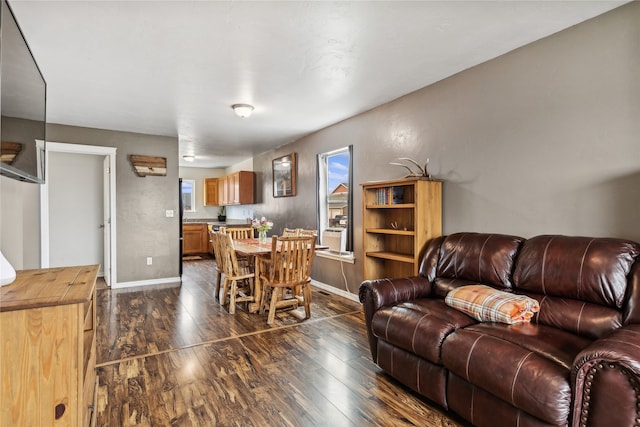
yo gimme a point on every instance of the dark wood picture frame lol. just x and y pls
(284, 176)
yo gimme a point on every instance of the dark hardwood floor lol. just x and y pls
(172, 356)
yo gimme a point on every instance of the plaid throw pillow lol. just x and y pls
(486, 304)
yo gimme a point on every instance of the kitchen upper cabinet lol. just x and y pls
(211, 192)
(236, 188)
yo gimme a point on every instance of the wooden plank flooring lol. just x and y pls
(172, 356)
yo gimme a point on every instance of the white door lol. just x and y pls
(106, 218)
(76, 211)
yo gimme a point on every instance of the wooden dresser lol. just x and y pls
(48, 348)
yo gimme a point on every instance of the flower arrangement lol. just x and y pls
(261, 224)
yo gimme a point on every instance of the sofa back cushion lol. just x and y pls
(480, 258)
(581, 282)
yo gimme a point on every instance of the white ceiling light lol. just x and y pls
(242, 110)
(189, 158)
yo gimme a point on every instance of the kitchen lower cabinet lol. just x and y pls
(195, 239)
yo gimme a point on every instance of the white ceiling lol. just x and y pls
(175, 67)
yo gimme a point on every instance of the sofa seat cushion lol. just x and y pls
(419, 326)
(526, 365)
(551, 343)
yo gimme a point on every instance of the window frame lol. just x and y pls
(323, 191)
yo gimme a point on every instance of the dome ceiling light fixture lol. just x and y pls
(242, 110)
(189, 158)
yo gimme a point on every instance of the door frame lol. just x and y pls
(109, 195)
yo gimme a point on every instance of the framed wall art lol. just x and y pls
(284, 176)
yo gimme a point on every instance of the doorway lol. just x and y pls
(78, 208)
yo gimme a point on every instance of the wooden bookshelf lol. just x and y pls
(399, 218)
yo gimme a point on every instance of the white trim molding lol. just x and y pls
(334, 290)
(148, 282)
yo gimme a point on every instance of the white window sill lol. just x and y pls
(343, 257)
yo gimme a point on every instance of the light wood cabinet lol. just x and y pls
(223, 188)
(48, 348)
(195, 239)
(211, 192)
(237, 188)
(399, 217)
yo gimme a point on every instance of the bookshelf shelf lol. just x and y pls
(397, 206)
(390, 231)
(399, 217)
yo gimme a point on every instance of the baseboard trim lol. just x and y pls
(334, 290)
(164, 281)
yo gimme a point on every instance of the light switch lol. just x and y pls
(169, 213)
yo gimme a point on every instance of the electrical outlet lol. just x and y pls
(168, 213)
(149, 260)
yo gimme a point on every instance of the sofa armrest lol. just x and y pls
(606, 376)
(375, 294)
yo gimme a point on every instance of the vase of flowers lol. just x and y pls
(262, 225)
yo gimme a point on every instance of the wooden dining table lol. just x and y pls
(253, 248)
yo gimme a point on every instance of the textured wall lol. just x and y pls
(544, 139)
(142, 228)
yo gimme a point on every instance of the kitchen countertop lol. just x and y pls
(214, 221)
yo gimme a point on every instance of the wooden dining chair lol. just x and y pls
(288, 268)
(240, 232)
(238, 283)
(217, 253)
(290, 232)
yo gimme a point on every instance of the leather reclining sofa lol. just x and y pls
(576, 363)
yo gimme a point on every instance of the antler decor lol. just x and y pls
(422, 171)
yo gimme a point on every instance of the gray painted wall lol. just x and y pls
(142, 228)
(545, 139)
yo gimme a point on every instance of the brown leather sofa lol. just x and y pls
(577, 363)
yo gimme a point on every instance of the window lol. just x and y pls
(188, 192)
(335, 195)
